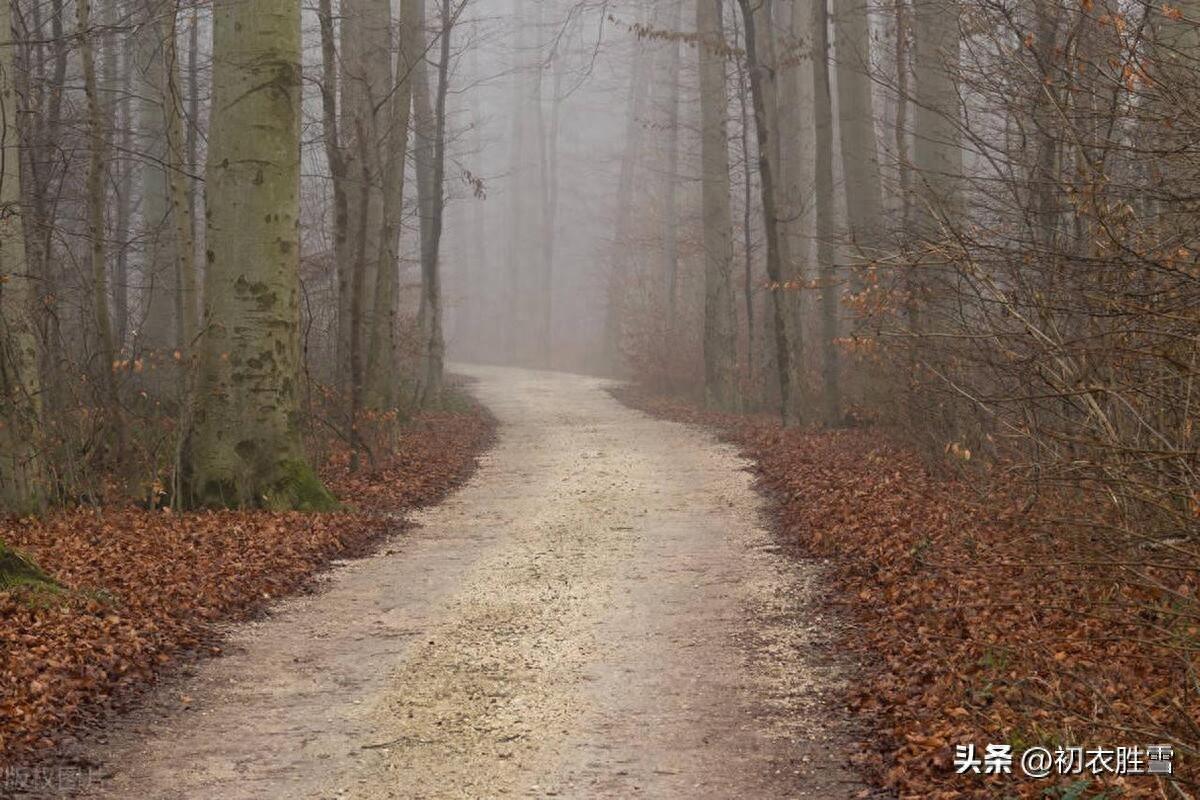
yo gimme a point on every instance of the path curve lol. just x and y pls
(596, 614)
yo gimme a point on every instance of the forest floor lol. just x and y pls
(970, 619)
(146, 594)
(598, 612)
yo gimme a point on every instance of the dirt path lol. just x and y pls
(595, 614)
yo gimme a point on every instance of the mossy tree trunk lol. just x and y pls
(21, 489)
(19, 571)
(245, 448)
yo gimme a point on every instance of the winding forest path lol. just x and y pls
(595, 614)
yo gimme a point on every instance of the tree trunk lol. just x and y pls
(856, 126)
(245, 448)
(720, 339)
(548, 172)
(670, 229)
(747, 198)
(762, 89)
(937, 152)
(831, 394)
(195, 187)
(366, 80)
(334, 155)
(186, 308)
(795, 159)
(900, 131)
(21, 479)
(382, 382)
(98, 147)
(619, 269)
(1044, 177)
(160, 256)
(115, 85)
(41, 171)
(433, 346)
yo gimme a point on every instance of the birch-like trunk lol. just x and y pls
(245, 448)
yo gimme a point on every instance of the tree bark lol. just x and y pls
(720, 339)
(336, 158)
(937, 151)
(186, 307)
(794, 105)
(548, 172)
(856, 126)
(382, 383)
(762, 89)
(98, 146)
(670, 229)
(245, 448)
(365, 82)
(433, 345)
(160, 256)
(831, 394)
(113, 87)
(21, 477)
(619, 269)
(744, 118)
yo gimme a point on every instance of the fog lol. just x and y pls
(540, 122)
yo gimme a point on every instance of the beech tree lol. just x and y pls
(245, 447)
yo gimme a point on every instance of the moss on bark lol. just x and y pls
(245, 448)
(17, 570)
(300, 489)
